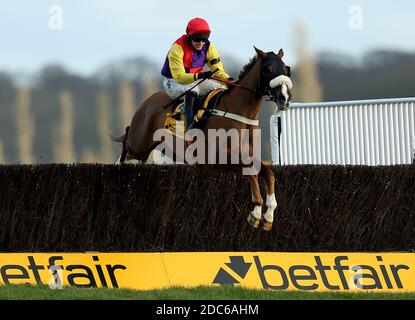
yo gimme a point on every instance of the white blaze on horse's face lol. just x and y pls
(285, 84)
(284, 91)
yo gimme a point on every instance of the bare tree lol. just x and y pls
(103, 127)
(307, 84)
(64, 149)
(127, 102)
(25, 126)
(2, 156)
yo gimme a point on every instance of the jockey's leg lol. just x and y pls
(175, 89)
(189, 100)
(208, 85)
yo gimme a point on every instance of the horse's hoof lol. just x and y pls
(267, 226)
(254, 222)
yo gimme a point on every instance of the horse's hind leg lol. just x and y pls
(123, 155)
(255, 216)
(268, 216)
(121, 158)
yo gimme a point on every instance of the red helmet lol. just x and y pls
(197, 26)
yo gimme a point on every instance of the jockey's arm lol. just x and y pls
(177, 69)
(215, 63)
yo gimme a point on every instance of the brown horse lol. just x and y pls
(238, 110)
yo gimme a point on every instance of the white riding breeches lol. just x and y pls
(175, 89)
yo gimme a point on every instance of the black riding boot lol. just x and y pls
(189, 100)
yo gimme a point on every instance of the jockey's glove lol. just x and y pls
(231, 81)
(203, 75)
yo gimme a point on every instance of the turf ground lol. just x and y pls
(28, 292)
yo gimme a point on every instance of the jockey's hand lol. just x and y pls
(231, 80)
(204, 75)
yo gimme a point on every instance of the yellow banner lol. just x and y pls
(393, 272)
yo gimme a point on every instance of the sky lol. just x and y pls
(84, 35)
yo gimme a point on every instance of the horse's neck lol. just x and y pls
(244, 102)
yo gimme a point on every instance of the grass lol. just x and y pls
(40, 292)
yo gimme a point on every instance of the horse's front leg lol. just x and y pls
(268, 217)
(255, 216)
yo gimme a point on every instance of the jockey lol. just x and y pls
(184, 66)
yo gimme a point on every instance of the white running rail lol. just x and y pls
(362, 132)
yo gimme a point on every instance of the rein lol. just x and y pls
(229, 83)
(188, 90)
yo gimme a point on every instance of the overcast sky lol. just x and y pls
(94, 32)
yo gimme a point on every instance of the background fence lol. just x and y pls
(364, 132)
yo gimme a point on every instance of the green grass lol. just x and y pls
(28, 292)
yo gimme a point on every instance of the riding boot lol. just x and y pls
(189, 99)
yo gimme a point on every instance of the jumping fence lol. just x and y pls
(362, 132)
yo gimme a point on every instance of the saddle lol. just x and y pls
(175, 119)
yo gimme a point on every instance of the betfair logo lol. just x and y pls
(80, 275)
(336, 274)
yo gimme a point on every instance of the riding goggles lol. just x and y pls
(200, 37)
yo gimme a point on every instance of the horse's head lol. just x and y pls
(274, 78)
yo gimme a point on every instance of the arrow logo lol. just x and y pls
(223, 278)
(238, 265)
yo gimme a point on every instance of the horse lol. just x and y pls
(265, 75)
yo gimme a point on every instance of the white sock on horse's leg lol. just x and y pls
(156, 157)
(118, 163)
(256, 213)
(272, 205)
(153, 158)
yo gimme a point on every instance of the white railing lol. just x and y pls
(362, 132)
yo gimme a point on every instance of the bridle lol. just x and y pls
(265, 92)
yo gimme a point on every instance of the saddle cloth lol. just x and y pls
(175, 120)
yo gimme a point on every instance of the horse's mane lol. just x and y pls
(248, 67)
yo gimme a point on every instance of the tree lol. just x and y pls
(306, 84)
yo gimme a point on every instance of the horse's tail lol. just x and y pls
(123, 140)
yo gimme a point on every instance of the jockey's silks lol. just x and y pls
(183, 61)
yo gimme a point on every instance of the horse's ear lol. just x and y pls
(280, 53)
(260, 53)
